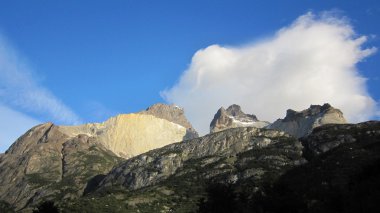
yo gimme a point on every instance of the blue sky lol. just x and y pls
(89, 60)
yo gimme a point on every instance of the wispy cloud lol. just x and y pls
(98, 111)
(13, 124)
(312, 61)
(20, 88)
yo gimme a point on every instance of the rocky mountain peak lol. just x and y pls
(313, 110)
(172, 113)
(234, 117)
(301, 123)
(235, 111)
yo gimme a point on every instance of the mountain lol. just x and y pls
(332, 168)
(302, 123)
(62, 162)
(234, 117)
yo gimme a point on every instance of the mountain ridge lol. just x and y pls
(77, 168)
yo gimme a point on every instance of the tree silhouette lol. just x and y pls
(46, 207)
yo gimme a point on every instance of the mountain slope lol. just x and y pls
(44, 163)
(249, 170)
(175, 177)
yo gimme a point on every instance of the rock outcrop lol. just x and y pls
(173, 114)
(234, 117)
(128, 135)
(301, 123)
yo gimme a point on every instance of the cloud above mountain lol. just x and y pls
(312, 61)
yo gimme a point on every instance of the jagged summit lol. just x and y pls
(313, 110)
(235, 111)
(234, 117)
(303, 122)
(172, 113)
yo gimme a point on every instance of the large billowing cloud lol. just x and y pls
(312, 61)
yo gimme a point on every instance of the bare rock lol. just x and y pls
(173, 114)
(128, 135)
(302, 123)
(234, 117)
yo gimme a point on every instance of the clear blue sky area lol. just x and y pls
(118, 55)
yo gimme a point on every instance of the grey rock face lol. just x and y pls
(301, 123)
(173, 114)
(328, 137)
(234, 117)
(230, 153)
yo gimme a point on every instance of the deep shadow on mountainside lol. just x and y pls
(345, 178)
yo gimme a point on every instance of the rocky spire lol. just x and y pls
(234, 117)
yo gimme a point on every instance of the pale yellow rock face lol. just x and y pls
(128, 135)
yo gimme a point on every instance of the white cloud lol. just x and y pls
(20, 88)
(12, 125)
(312, 61)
